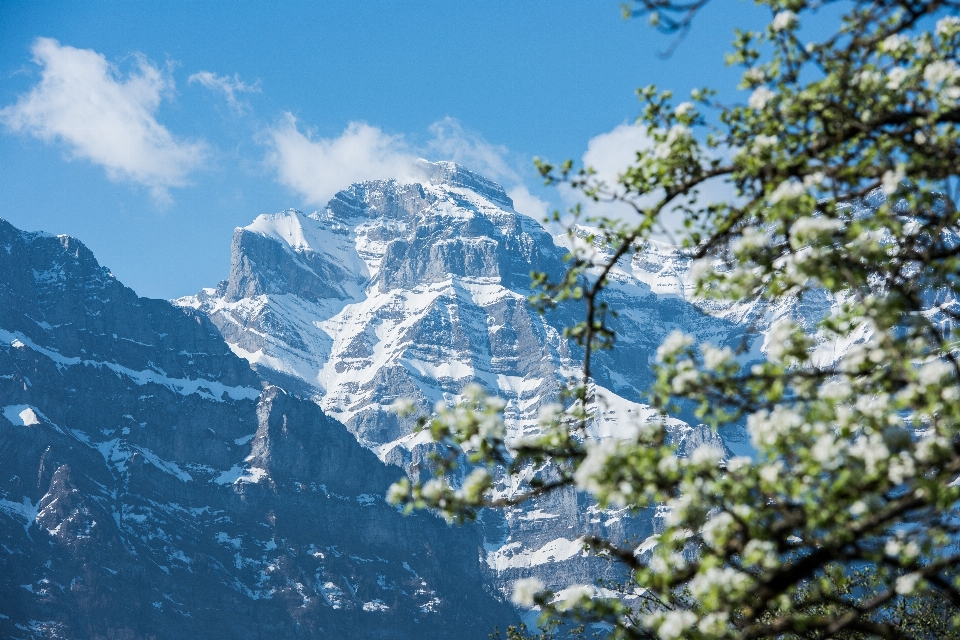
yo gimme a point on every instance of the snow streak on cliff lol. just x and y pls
(415, 290)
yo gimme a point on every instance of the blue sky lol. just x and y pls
(151, 130)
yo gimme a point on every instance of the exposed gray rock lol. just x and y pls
(151, 487)
(437, 299)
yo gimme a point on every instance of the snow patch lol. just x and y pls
(22, 415)
(238, 473)
(25, 510)
(375, 605)
(209, 389)
(514, 556)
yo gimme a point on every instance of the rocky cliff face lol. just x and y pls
(415, 290)
(154, 487)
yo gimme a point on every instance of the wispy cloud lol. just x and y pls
(528, 204)
(317, 168)
(451, 141)
(83, 102)
(229, 86)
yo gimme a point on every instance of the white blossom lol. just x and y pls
(751, 238)
(495, 403)
(927, 448)
(784, 20)
(892, 548)
(676, 342)
(403, 407)
(762, 141)
(723, 579)
(901, 468)
(593, 465)
(668, 465)
(826, 450)
(549, 413)
(895, 78)
(760, 97)
(761, 552)
(941, 71)
(685, 378)
(397, 492)
(933, 372)
(432, 488)
(787, 190)
(770, 472)
(854, 358)
(867, 78)
(524, 590)
(814, 179)
(778, 337)
(491, 426)
(948, 25)
(894, 43)
(907, 584)
(714, 358)
(472, 392)
(674, 624)
(871, 449)
(874, 406)
(677, 132)
(683, 108)
(476, 482)
(717, 529)
(714, 623)
(766, 428)
(573, 596)
(678, 509)
(835, 390)
(809, 228)
(701, 267)
(754, 75)
(658, 564)
(891, 180)
(706, 455)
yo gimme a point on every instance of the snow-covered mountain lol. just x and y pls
(153, 487)
(413, 290)
(210, 468)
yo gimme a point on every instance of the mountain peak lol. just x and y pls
(451, 174)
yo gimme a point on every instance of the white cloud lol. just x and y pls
(452, 142)
(613, 152)
(229, 86)
(83, 102)
(528, 204)
(610, 154)
(319, 167)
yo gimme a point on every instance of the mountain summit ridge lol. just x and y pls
(438, 300)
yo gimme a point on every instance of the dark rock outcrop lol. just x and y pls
(152, 487)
